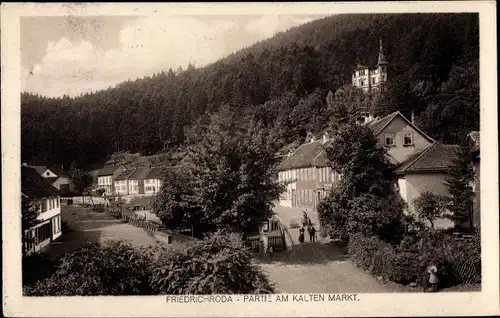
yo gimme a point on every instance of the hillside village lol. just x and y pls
(164, 193)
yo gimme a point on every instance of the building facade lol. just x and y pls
(427, 172)
(371, 79)
(153, 181)
(106, 177)
(45, 199)
(121, 183)
(306, 172)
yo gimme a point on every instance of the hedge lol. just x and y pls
(458, 261)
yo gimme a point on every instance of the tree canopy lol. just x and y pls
(230, 182)
(282, 82)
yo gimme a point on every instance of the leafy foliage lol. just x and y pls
(433, 70)
(231, 182)
(406, 264)
(217, 265)
(459, 180)
(117, 269)
(365, 199)
(430, 206)
(29, 215)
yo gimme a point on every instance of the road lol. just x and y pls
(321, 267)
(90, 226)
(307, 268)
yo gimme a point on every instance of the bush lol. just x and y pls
(117, 269)
(217, 265)
(363, 249)
(458, 261)
(294, 224)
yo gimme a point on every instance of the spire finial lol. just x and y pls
(381, 56)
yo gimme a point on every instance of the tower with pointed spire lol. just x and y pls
(372, 79)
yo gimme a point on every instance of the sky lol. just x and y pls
(74, 55)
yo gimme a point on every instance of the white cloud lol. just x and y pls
(148, 45)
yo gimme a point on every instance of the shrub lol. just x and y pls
(294, 224)
(217, 265)
(363, 249)
(458, 261)
(117, 269)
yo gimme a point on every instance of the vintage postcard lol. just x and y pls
(249, 159)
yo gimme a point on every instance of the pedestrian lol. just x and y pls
(304, 219)
(433, 278)
(301, 235)
(310, 222)
(312, 234)
(270, 250)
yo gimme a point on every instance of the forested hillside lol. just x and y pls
(281, 82)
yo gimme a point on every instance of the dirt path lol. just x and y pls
(90, 226)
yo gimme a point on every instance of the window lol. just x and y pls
(373, 81)
(44, 205)
(47, 173)
(362, 72)
(389, 139)
(408, 139)
(361, 83)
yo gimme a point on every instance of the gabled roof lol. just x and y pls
(58, 171)
(125, 174)
(139, 173)
(107, 170)
(51, 180)
(154, 173)
(33, 185)
(39, 169)
(378, 125)
(304, 156)
(438, 157)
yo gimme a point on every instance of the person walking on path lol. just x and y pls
(305, 218)
(312, 234)
(301, 235)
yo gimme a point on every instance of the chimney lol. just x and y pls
(413, 117)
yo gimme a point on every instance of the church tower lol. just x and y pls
(372, 79)
(382, 67)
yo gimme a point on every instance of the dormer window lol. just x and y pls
(408, 139)
(47, 173)
(389, 139)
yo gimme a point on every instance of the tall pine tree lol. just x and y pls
(459, 184)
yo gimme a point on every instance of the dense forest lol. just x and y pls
(282, 83)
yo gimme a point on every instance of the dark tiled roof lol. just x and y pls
(51, 180)
(58, 171)
(155, 173)
(107, 170)
(140, 173)
(303, 157)
(33, 185)
(437, 157)
(39, 169)
(125, 174)
(379, 124)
